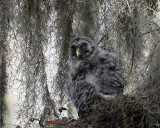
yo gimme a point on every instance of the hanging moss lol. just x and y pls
(153, 5)
(85, 15)
(35, 15)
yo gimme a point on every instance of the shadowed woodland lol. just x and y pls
(34, 61)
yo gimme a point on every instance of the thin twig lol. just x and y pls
(106, 35)
(149, 32)
(102, 39)
(129, 7)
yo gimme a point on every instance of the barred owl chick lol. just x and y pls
(93, 72)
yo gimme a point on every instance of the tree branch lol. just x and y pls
(102, 39)
(149, 32)
(150, 58)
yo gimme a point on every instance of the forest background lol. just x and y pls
(34, 52)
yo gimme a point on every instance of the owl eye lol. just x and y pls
(83, 45)
(84, 48)
(73, 49)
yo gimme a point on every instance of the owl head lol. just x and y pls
(81, 48)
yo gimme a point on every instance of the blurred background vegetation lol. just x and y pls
(34, 59)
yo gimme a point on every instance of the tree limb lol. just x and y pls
(149, 32)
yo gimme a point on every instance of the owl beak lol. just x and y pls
(78, 53)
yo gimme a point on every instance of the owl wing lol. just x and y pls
(81, 94)
(110, 78)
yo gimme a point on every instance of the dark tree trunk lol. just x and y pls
(64, 33)
(3, 52)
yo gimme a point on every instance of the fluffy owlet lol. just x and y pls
(93, 72)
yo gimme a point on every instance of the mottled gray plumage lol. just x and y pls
(93, 72)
